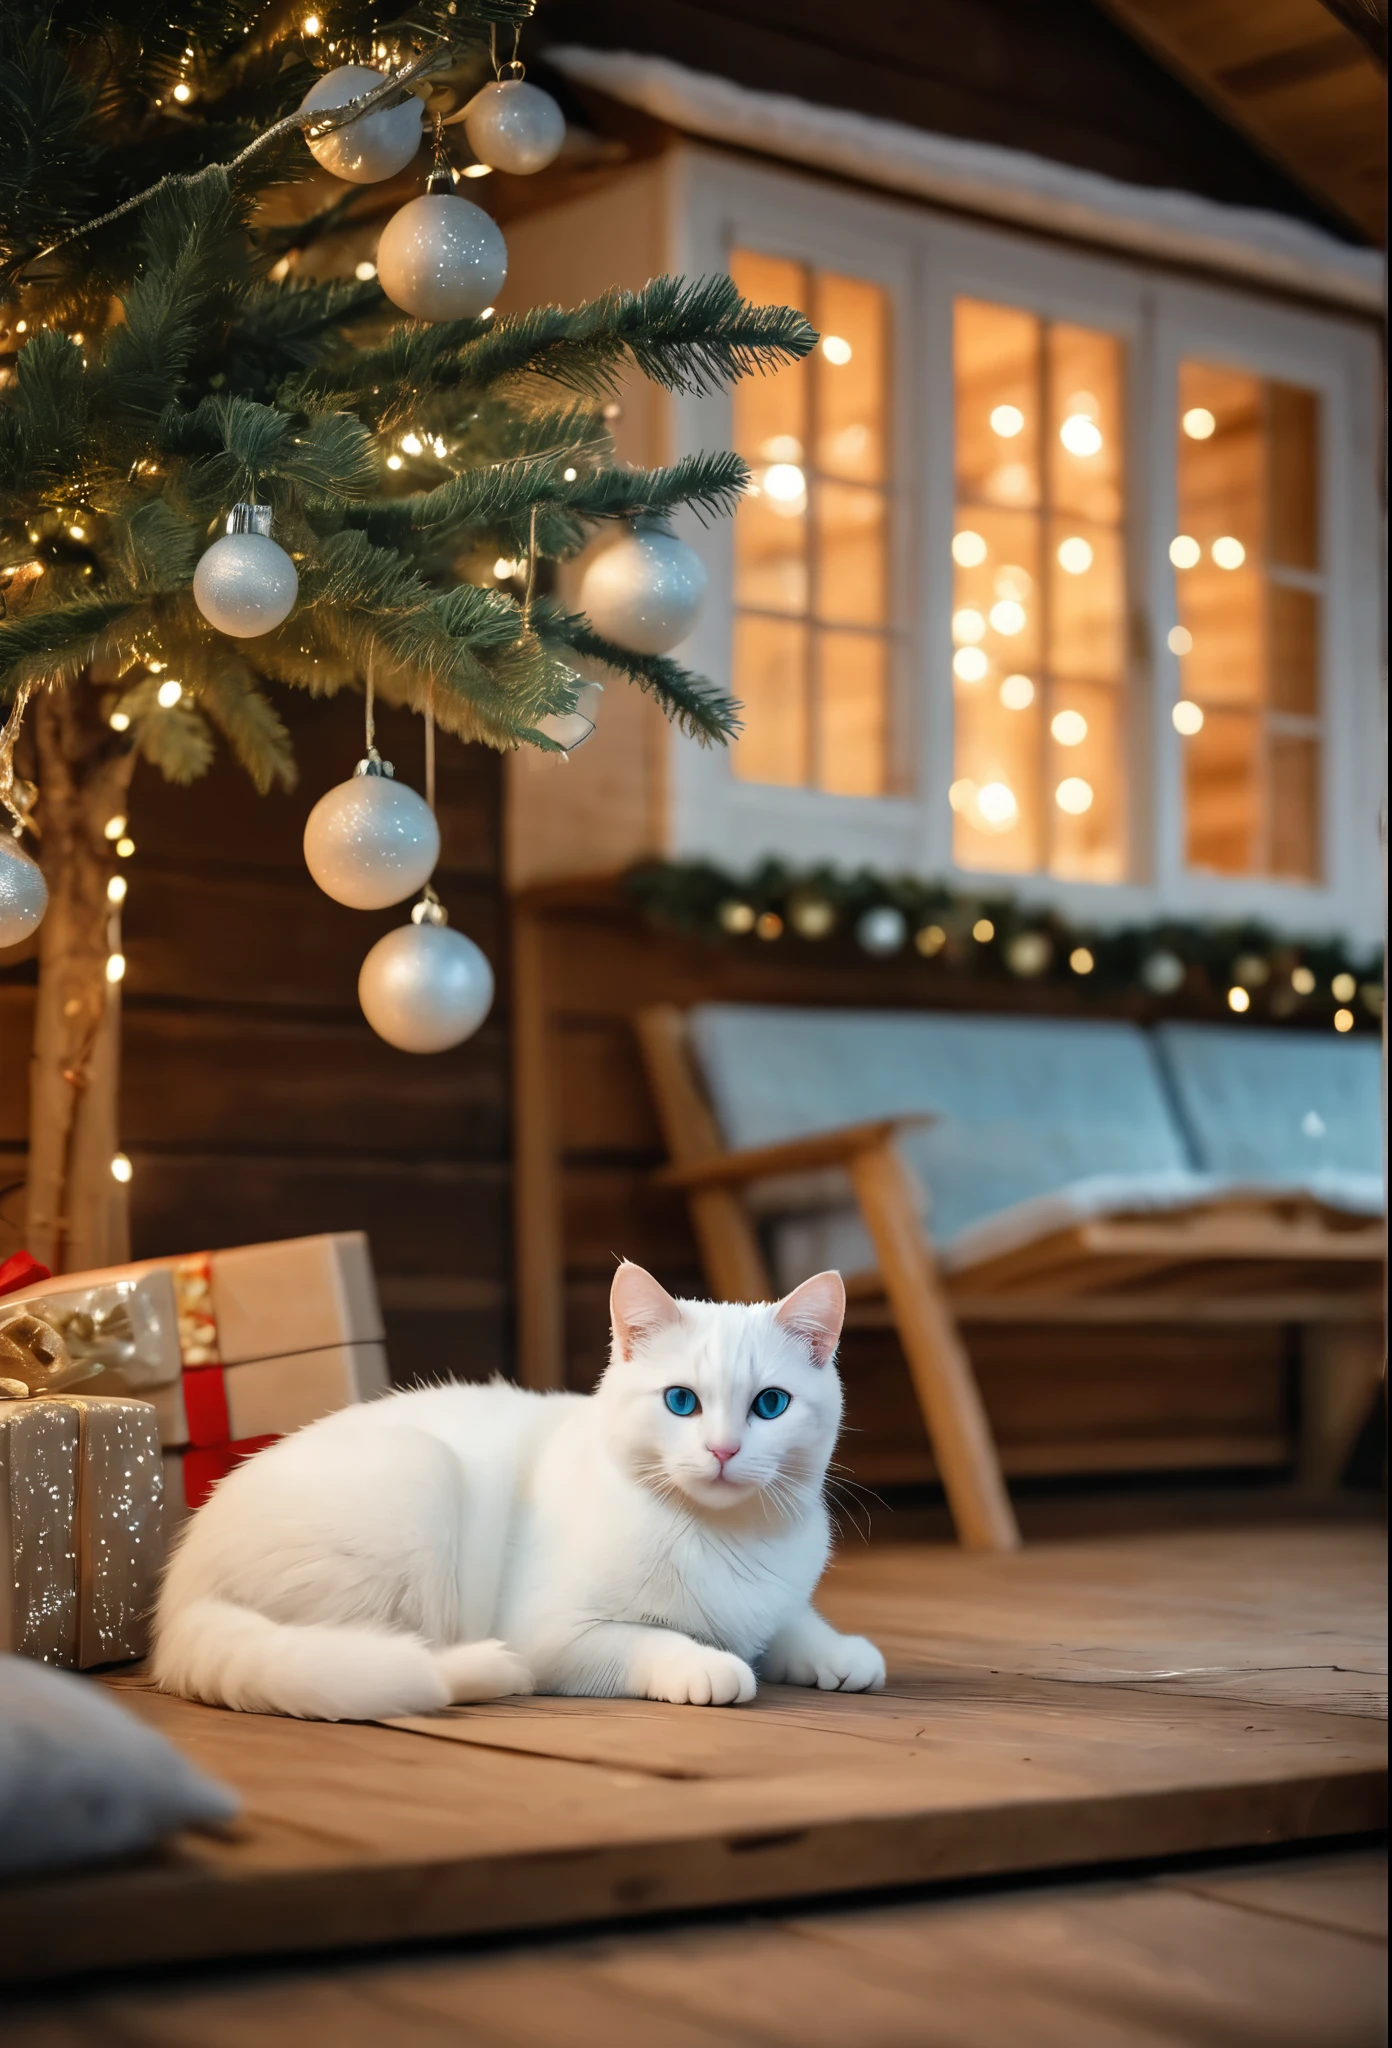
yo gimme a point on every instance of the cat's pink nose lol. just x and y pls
(723, 1453)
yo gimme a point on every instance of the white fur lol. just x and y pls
(467, 1542)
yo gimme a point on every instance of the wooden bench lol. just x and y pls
(1283, 1260)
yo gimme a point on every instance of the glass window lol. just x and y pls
(1039, 596)
(812, 604)
(1249, 592)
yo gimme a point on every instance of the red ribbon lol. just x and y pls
(21, 1269)
(205, 1465)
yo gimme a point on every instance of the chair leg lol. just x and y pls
(942, 1374)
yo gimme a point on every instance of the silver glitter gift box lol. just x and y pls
(81, 1526)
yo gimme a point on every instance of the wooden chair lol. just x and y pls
(1278, 1260)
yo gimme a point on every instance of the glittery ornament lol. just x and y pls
(245, 584)
(514, 127)
(23, 891)
(645, 591)
(424, 988)
(371, 841)
(441, 258)
(375, 145)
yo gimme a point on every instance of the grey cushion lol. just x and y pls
(1288, 1108)
(82, 1779)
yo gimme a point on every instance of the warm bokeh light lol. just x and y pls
(1303, 981)
(115, 967)
(168, 694)
(1074, 795)
(1239, 1000)
(116, 889)
(1008, 617)
(970, 665)
(119, 721)
(983, 931)
(1343, 1020)
(997, 805)
(1343, 988)
(1075, 555)
(1069, 728)
(968, 549)
(1180, 640)
(1017, 693)
(1081, 436)
(1228, 553)
(968, 626)
(836, 349)
(1185, 551)
(364, 271)
(1081, 960)
(1198, 423)
(125, 848)
(1007, 421)
(121, 1168)
(114, 827)
(1187, 717)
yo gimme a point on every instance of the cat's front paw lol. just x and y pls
(690, 1675)
(837, 1664)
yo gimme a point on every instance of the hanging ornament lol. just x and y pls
(372, 841)
(644, 592)
(23, 890)
(441, 257)
(882, 930)
(424, 988)
(375, 145)
(514, 127)
(245, 584)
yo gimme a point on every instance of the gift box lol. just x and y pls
(234, 1348)
(81, 1524)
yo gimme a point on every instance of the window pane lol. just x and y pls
(1085, 423)
(1294, 811)
(998, 404)
(850, 554)
(852, 699)
(1085, 782)
(811, 541)
(771, 670)
(1039, 595)
(1222, 793)
(1249, 603)
(851, 378)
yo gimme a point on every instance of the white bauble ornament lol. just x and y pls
(23, 892)
(644, 592)
(371, 841)
(245, 583)
(423, 987)
(514, 127)
(882, 930)
(376, 145)
(441, 258)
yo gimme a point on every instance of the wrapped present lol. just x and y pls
(81, 1506)
(260, 1340)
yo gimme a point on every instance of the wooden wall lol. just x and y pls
(1061, 1401)
(1062, 80)
(256, 1103)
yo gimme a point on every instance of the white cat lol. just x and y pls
(655, 1539)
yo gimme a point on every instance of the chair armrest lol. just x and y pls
(794, 1155)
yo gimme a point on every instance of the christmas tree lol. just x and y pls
(168, 370)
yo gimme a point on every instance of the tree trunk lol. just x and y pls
(78, 1213)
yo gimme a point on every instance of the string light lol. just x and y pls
(930, 939)
(364, 272)
(1228, 552)
(393, 462)
(125, 848)
(1074, 796)
(312, 25)
(116, 889)
(1069, 728)
(1075, 555)
(983, 931)
(119, 721)
(969, 665)
(168, 694)
(1180, 640)
(411, 444)
(1007, 421)
(115, 967)
(1081, 960)
(968, 548)
(1343, 1020)
(968, 625)
(478, 170)
(1198, 423)
(997, 805)
(1184, 551)
(183, 92)
(121, 1168)
(114, 826)
(78, 532)
(1187, 717)
(1303, 981)
(1343, 988)
(1081, 435)
(1008, 617)
(836, 348)
(1239, 1001)
(1017, 693)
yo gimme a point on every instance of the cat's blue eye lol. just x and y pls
(773, 1401)
(681, 1401)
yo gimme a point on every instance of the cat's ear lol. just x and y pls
(815, 1312)
(638, 1307)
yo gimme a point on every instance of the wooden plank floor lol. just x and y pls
(1070, 1705)
(1283, 1955)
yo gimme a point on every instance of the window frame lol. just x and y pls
(925, 260)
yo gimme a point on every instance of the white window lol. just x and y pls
(1059, 575)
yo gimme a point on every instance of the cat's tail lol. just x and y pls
(231, 1656)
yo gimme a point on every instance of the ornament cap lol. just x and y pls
(373, 764)
(430, 910)
(249, 518)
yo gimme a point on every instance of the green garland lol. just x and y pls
(1176, 966)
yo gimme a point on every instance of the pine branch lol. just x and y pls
(54, 644)
(698, 707)
(42, 430)
(193, 261)
(241, 447)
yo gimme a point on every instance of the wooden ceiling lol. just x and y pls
(1305, 80)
